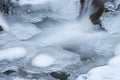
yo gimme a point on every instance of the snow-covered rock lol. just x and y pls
(114, 62)
(112, 4)
(12, 53)
(108, 72)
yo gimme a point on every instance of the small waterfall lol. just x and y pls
(85, 22)
(87, 8)
(3, 23)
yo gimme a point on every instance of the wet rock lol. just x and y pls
(1, 29)
(60, 75)
(8, 72)
(99, 5)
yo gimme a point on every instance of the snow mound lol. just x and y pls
(12, 53)
(43, 60)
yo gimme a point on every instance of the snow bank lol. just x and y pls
(12, 53)
(108, 72)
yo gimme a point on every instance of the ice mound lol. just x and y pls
(12, 53)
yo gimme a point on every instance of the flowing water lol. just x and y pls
(3, 23)
(87, 8)
(78, 36)
(70, 35)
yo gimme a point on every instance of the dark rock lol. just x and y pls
(1, 29)
(8, 72)
(99, 5)
(60, 75)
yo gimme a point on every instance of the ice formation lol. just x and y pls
(110, 24)
(55, 9)
(45, 39)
